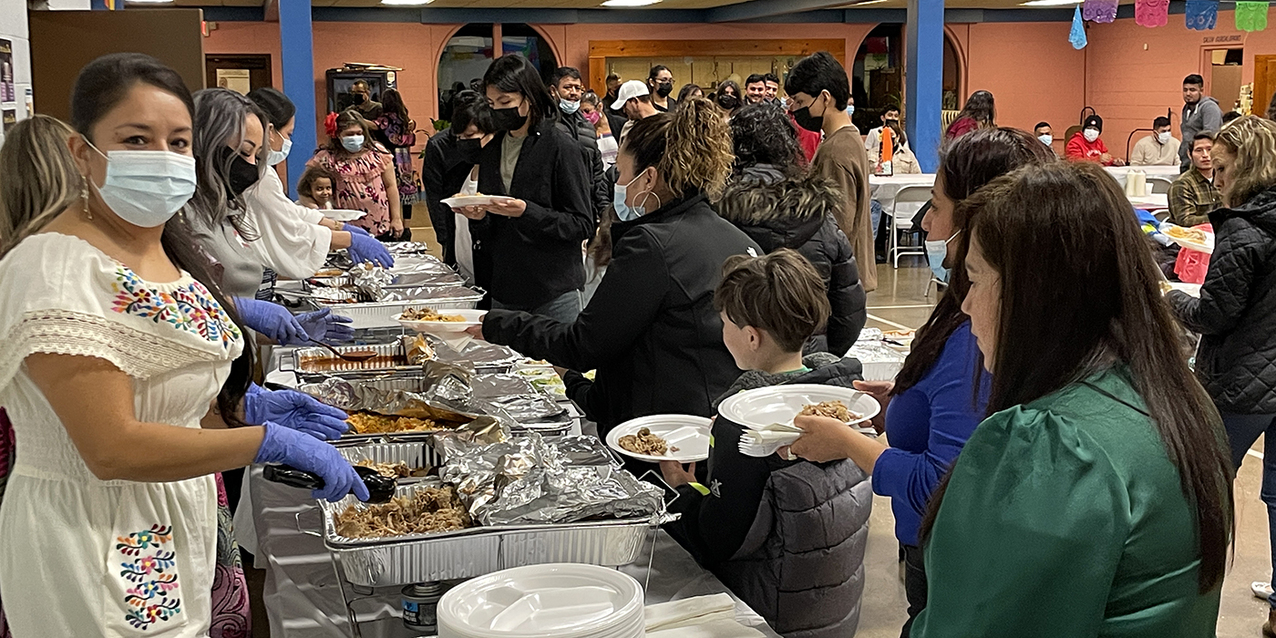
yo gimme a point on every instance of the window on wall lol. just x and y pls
(468, 53)
(877, 76)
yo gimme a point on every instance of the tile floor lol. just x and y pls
(900, 301)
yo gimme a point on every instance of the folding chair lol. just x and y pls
(1160, 185)
(908, 201)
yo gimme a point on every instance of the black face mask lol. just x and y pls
(241, 175)
(728, 101)
(509, 119)
(892, 123)
(807, 121)
(664, 89)
(469, 150)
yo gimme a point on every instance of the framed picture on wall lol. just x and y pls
(8, 89)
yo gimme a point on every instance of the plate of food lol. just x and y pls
(663, 437)
(1191, 238)
(439, 320)
(764, 407)
(478, 199)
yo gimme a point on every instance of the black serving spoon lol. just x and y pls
(380, 487)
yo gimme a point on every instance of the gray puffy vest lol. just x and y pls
(802, 564)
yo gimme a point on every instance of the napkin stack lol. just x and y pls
(699, 617)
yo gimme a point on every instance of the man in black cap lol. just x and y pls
(1086, 145)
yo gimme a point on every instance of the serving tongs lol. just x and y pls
(380, 487)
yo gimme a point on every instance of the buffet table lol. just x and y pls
(304, 596)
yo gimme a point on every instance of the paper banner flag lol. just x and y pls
(1151, 13)
(1251, 16)
(1202, 15)
(1099, 10)
(1077, 36)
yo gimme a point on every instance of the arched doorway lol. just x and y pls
(877, 75)
(954, 72)
(469, 52)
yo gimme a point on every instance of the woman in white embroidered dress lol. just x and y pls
(112, 382)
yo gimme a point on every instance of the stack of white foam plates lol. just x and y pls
(544, 601)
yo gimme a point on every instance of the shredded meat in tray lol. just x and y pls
(429, 511)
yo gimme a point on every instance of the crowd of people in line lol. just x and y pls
(1055, 466)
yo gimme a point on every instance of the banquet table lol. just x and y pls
(884, 188)
(304, 599)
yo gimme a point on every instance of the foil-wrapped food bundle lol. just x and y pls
(532, 480)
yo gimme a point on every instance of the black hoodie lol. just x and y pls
(799, 213)
(1236, 312)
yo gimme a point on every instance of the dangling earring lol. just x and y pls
(84, 198)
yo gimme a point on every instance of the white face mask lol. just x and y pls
(624, 211)
(280, 155)
(146, 188)
(1163, 137)
(568, 107)
(1046, 139)
(936, 253)
(1091, 134)
(352, 143)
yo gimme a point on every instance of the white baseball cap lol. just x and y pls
(628, 91)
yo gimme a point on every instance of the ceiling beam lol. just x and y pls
(755, 9)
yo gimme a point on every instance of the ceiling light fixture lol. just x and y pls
(864, 4)
(629, 3)
(1049, 3)
(150, 1)
(406, 3)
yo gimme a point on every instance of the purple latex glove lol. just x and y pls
(355, 230)
(364, 248)
(304, 452)
(295, 410)
(322, 325)
(272, 320)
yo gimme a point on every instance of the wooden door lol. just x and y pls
(1264, 82)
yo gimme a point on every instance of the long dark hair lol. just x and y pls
(981, 107)
(1080, 294)
(762, 134)
(514, 74)
(392, 102)
(219, 124)
(278, 108)
(100, 86)
(965, 165)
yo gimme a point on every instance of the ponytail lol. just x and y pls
(690, 147)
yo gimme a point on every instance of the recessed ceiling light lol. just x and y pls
(1049, 3)
(406, 3)
(150, 1)
(629, 3)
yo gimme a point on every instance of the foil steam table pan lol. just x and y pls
(375, 314)
(487, 358)
(315, 363)
(477, 551)
(390, 448)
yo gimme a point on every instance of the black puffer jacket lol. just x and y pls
(1236, 313)
(799, 213)
(578, 128)
(650, 330)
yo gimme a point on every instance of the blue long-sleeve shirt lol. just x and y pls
(927, 425)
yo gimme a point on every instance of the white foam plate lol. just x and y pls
(1207, 247)
(474, 200)
(781, 403)
(690, 434)
(472, 318)
(342, 214)
(544, 600)
(1191, 289)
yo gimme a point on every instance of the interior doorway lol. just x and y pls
(1223, 79)
(469, 52)
(239, 73)
(1264, 82)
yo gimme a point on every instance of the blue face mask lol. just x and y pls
(568, 107)
(624, 211)
(352, 143)
(936, 252)
(850, 110)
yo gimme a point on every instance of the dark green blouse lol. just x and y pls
(1065, 517)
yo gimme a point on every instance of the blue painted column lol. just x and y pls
(297, 43)
(923, 93)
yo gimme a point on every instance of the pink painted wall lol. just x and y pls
(1134, 73)
(1029, 67)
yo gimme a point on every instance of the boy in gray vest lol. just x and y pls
(786, 536)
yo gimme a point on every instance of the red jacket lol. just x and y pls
(1079, 149)
(809, 140)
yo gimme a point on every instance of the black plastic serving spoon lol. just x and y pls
(380, 487)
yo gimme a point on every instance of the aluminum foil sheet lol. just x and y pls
(398, 248)
(448, 296)
(875, 352)
(371, 280)
(486, 357)
(529, 480)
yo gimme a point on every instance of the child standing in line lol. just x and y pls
(314, 189)
(787, 537)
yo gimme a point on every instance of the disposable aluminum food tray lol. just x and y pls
(421, 558)
(414, 454)
(334, 366)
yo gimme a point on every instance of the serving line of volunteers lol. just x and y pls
(1054, 466)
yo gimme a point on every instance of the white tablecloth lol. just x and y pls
(883, 189)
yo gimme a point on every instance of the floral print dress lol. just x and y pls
(402, 138)
(115, 557)
(360, 185)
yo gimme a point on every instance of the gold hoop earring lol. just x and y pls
(84, 198)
